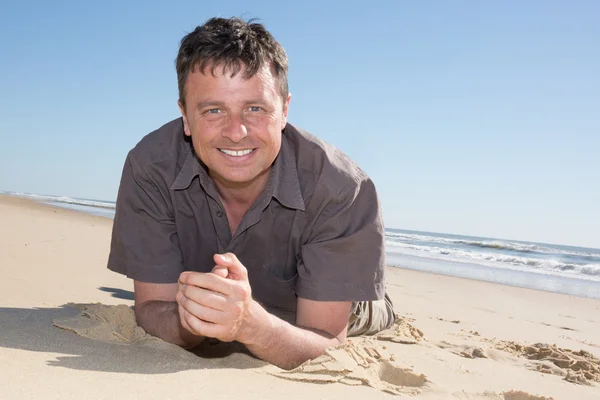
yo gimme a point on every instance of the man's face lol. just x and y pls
(235, 123)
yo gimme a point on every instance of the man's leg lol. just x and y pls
(370, 317)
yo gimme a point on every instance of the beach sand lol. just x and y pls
(67, 331)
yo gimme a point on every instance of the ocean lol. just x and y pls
(555, 268)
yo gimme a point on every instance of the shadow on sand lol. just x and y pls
(117, 293)
(32, 329)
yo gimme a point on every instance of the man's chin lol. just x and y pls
(235, 180)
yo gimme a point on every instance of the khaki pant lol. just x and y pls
(370, 317)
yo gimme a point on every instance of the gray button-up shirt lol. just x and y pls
(315, 232)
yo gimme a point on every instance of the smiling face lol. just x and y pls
(235, 124)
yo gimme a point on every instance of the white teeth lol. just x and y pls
(238, 153)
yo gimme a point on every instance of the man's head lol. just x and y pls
(232, 44)
(234, 99)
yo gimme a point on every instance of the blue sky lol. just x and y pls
(471, 117)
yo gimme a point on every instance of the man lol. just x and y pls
(236, 225)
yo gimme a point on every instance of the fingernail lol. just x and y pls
(224, 257)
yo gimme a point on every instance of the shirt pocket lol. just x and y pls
(276, 294)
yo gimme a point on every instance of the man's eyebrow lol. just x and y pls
(204, 104)
(215, 103)
(256, 101)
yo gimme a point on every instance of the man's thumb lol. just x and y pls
(230, 262)
(221, 271)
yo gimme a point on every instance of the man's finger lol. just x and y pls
(204, 313)
(181, 311)
(206, 329)
(207, 280)
(235, 268)
(205, 297)
(221, 271)
(184, 323)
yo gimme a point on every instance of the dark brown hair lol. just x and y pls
(231, 44)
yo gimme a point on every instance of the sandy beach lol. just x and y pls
(67, 331)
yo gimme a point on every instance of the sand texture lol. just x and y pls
(68, 331)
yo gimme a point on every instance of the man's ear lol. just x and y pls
(186, 126)
(286, 107)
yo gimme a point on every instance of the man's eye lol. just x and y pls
(213, 111)
(255, 108)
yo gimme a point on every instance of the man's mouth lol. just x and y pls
(237, 153)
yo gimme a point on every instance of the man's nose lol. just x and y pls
(236, 129)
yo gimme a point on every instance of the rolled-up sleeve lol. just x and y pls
(144, 244)
(344, 259)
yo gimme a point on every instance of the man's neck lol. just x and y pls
(241, 194)
(237, 198)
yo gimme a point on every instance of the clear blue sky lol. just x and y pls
(471, 117)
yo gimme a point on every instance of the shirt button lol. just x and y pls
(219, 213)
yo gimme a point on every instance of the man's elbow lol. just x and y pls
(161, 319)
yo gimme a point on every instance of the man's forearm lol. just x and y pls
(287, 346)
(161, 319)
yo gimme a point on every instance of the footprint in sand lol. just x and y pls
(518, 395)
(397, 376)
(578, 367)
(511, 395)
(359, 361)
(465, 351)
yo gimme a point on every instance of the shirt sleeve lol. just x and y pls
(144, 244)
(344, 260)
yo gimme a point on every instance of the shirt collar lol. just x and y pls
(189, 170)
(284, 174)
(283, 182)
